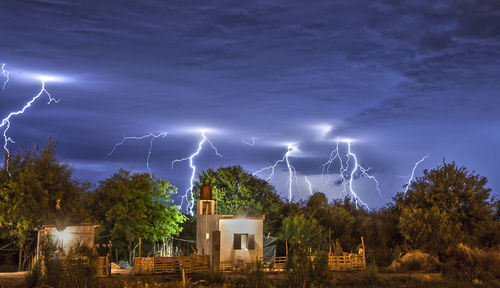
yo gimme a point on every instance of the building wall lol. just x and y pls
(229, 227)
(205, 224)
(71, 237)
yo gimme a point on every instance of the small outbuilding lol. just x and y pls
(68, 238)
(228, 239)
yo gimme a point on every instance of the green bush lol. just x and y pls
(305, 269)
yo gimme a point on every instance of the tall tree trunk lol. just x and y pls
(20, 259)
(26, 257)
(131, 251)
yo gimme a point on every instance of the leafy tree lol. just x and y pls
(302, 229)
(381, 235)
(240, 192)
(446, 206)
(130, 206)
(334, 219)
(37, 189)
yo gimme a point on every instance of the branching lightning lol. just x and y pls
(410, 177)
(6, 75)
(309, 185)
(6, 121)
(356, 166)
(346, 179)
(335, 154)
(291, 170)
(189, 192)
(153, 137)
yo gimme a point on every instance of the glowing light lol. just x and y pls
(6, 121)
(6, 75)
(48, 78)
(410, 177)
(249, 143)
(291, 170)
(189, 192)
(324, 130)
(63, 236)
(153, 137)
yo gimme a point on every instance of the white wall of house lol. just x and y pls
(243, 226)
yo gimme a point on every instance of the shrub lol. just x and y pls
(321, 272)
(415, 261)
(256, 277)
(34, 277)
(478, 265)
(413, 264)
(306, 270)
(370, 276)
(76, 269)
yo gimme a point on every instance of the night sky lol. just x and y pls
(402, 79)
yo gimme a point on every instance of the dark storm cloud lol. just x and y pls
(403, 78)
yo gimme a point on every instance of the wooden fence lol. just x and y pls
(274, 263)
(170, 265)
(199, 263)
(103, 266)
(347, 262)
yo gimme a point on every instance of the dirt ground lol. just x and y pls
(123, 278)
(12, 279)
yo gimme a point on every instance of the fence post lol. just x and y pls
(363, 245)
(140, 246)
(183, 278)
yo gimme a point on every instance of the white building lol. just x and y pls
(69, 238)
(233, 239)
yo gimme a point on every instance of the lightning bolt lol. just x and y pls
(356, 166)
(6, 121)
(189, 192)
(333, 155)
(410, 177)
(6, 75)
(309, 185)
(325, 167)
(248, 143)
(291, 169)
(347, 178)
(153, 137)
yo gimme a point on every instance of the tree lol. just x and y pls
(446, 206)
(129, 206)
(239, 192)
(37, 189)
(335, 219)
(303, 229)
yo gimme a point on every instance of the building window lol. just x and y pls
(207, 208)
(244, 241)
